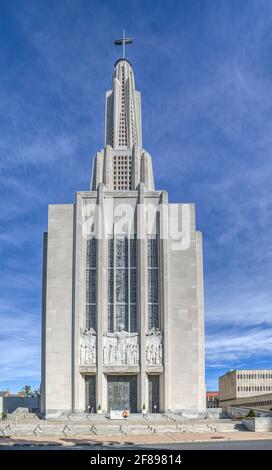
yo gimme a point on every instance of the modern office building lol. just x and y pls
(212, 399)
(244, 386)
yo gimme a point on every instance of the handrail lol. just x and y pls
(3, 429)
(66, 430)
(37, 428)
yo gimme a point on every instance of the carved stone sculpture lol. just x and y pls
(88, 347)
(154, 348)
(121, 348)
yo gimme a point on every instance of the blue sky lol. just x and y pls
(204, 71)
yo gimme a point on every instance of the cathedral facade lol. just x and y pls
(123, 312)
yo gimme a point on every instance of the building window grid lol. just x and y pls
(261, 387)
(122, 172)
(91, 284)
(254, 376)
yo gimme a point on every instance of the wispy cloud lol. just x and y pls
(204, 71)
(239, 345)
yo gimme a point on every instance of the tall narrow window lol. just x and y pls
(91, 284)
(133, 285)
(153, 283)
(122, 284)
(111, 284)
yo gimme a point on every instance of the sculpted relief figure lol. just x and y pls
(121, 348)
(88, 347)
(154, 348)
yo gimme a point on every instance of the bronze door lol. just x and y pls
(122, 393)
(154, 393)
(90, 393)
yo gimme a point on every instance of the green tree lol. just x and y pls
(26, 390)
(251, 414)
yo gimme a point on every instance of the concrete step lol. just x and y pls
(229, 427)
(86, 426)
(197, 428)
(164, 429)
(130, 429)
(107, 431)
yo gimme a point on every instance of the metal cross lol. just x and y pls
(122, 42)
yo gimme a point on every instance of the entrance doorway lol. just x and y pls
(154, 393)
(122, 392)
(90, 393)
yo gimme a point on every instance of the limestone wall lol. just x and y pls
(258, 424)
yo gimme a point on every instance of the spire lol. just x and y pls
(123, 165)
(123, 109)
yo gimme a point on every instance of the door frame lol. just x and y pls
(128, 377)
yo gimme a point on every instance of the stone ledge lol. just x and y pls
(87, 369)
(112, 370)
(154, 369)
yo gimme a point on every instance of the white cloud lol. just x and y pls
(234, 347)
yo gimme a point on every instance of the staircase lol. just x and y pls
(94, 425)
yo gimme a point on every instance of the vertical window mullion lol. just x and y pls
(110, 284)
(114, 283)
(153, 283)
(128, 283)
(90, 303)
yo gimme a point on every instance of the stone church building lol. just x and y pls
(123, 314)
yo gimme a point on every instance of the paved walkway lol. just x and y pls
(135, 440)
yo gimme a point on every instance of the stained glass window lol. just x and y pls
(110, 253)
(153, 252)
(133, 317)
(153, 286)
(153, 316)
(132, 243)
(110, 286)
(110, 317)
(133, 286)
(91, 253)
(122, 284)
(153, 283)
(122, 316)
(90, 316)
(121, 252)
(91, 284)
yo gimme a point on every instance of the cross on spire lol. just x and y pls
(122, 42)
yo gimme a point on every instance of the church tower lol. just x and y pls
(123, 163)
(123, 311)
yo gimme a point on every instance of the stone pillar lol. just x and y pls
(135, 166)
(101, 289)
(142, 296)
(108, 168)
(201, 329)
(43, 356)
(79, 311)
(165, 379)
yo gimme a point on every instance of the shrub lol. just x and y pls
(251, 414)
